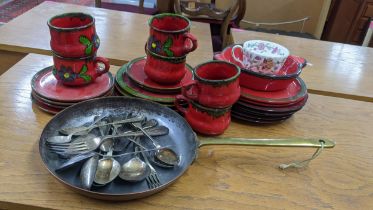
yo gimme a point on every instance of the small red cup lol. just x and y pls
(215, 84)
(73, 35)
(164, 70)
(204, 120)
(169, 35)
(79, 71)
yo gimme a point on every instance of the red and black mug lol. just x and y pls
(79, 71)
(204, 120)
(164, 70)
(73, 35)
(215, 84)
(170, 36)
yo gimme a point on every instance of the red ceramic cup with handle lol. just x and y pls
(164, 70)
(215, 84)
(73, 35)
(204, 120)
(79, 71)
(169, 35)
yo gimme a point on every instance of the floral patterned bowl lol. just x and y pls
(261, 56)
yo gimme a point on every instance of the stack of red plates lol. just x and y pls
(269, 98)
(270, 106)
(51, 96)
(131, 80)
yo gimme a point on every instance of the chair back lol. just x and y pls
(209, 13)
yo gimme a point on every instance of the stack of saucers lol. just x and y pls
(131, 80)
(268, 98)
(52, 96)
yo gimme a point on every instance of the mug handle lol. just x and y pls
(99, 70)
(235, 58)
(189, 88)
(179, 99)
(193, 39)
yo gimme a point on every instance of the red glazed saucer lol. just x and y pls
(294, 92)
(265, 82)
(130, 87)
(136, 73)
(46, 85)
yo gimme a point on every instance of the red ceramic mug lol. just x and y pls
(204, 120)
(215, 84)
(164, 70)
(73, 35)
(79, 71)
(169, 35)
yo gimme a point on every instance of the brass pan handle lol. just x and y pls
(285, 142)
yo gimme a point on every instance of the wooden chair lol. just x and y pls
(220, 20)
(368, 35)
(126, 7)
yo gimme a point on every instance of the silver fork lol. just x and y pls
(92, 142)
(152, 180)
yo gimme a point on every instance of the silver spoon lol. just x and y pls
(88, 171)
(164, 155)
(135, 169)
(107, 168)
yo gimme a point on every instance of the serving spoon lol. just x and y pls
(107, 168)
(135, 169)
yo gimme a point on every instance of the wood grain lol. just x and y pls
(223, 177)
(122, 34)
(339, 70)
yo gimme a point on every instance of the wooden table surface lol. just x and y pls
(122, 34)
(223, 177)
(340, 70)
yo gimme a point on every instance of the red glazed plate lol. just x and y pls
(274, 111)
(294, 92)
(136, 73)
(254, 115)
(44, 107)
(265, 82)
(249, 119)
(62, 104)
(46, 85)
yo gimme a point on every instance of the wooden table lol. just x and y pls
(122, 34)
(223, 177)
(339, 70)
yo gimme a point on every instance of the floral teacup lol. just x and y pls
(261, 56)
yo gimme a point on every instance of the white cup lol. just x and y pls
(261, 56)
